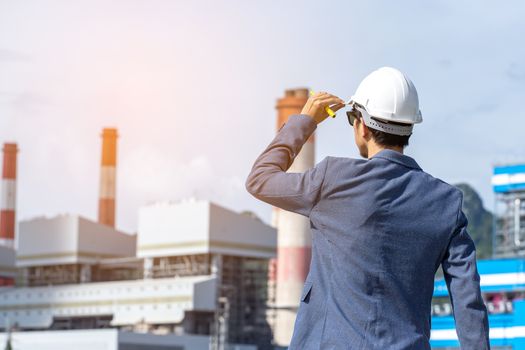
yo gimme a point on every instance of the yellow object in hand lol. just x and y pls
(327, 109)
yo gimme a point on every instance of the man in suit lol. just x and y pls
(380, 226)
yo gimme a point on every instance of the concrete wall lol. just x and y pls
(46, 241)
(198, 226)
(69, 239)
(168, 229)
(233, 233)
(7, 262)
(114, 243)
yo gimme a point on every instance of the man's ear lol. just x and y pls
(365, 133)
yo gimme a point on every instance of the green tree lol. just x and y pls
(479, 221)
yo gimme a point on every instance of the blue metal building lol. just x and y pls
(502, 278)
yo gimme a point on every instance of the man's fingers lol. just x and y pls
(337, 107)
(321, 100)
(330, 99)
(324, 97)
(319, 96)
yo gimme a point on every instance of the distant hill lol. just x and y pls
(479, 221)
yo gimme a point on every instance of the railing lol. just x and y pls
(503, 306)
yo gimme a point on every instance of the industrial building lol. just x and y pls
(200, 269)
(194, 273)
(502, 278)
(508, 182)
(67, 249)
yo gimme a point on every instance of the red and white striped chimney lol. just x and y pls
(8, 200)
(106, 202)
(294, 243)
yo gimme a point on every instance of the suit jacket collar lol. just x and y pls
(397, 157)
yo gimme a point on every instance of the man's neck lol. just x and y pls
(373, 149)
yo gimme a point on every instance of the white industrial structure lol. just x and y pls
(69, 239)
(201, 269)
(105, 304)
(165, 229)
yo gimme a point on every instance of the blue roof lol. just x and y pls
(509, 169)
(508, 178)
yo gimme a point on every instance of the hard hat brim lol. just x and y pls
(384, 125)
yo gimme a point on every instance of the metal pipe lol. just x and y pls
(517, 207)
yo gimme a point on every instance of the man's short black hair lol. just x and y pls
(389, 140)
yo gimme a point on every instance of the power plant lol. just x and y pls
(195, 276)
(194, 268)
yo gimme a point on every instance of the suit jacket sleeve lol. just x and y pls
(268, 179)
(463, 282)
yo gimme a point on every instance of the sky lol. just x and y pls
(192, 87)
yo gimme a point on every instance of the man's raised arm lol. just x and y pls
(268, 179)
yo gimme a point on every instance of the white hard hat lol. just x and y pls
(387, 96)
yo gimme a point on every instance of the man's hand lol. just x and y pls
(316, 104)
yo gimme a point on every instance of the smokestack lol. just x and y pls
(106, 202)
(293, 231)
(8, 202)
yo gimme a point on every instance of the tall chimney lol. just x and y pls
(8, 201)
(106, 202)
(293, 231)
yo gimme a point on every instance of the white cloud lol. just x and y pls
(146, 174)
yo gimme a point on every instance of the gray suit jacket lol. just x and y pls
(380, 229)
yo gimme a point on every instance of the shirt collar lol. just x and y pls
(397, 157)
